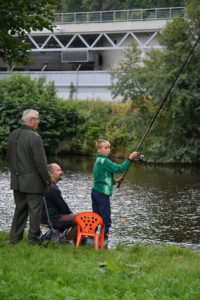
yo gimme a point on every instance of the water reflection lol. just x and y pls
(155, 204)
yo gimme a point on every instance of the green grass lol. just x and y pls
(64, 272)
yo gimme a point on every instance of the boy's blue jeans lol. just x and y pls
(101, 206)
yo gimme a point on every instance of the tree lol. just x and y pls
(58, 120)
(17, 19)
(176, 133)
(124, 85)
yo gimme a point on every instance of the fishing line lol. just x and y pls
(162, 102)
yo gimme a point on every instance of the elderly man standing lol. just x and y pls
(29, 177)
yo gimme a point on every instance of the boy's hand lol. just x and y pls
(133, 155)
(119, 180)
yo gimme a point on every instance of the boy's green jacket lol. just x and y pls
(103, 172)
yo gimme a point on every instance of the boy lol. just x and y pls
(103, 172)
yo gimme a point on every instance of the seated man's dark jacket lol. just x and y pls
(56, 206)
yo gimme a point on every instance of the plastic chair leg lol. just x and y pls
(78, 240)
(101, 241)
(96, 242)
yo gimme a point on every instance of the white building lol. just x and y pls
(85, 46)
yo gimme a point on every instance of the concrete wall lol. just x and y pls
(86, 85)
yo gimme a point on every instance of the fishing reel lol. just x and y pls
(140, 158)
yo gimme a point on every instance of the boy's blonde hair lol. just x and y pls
(100, 142)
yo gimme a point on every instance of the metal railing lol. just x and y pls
(120, 15)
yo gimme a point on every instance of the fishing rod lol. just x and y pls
(162, 102)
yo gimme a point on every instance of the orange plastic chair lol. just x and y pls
(87, 223)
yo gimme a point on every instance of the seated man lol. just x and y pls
(60, 214)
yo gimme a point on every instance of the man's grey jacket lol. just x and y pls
(28, 163)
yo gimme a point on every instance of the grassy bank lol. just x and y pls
(63, 272)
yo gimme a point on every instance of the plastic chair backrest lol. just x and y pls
(88, 222)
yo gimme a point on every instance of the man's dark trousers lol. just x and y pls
(26, 203)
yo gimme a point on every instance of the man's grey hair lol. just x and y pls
(29, 114)
(50, 168)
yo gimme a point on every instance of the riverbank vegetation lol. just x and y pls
(126, 272)
(72, 126)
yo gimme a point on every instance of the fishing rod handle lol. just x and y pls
(139, 159)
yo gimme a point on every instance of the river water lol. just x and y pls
(154, 205)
